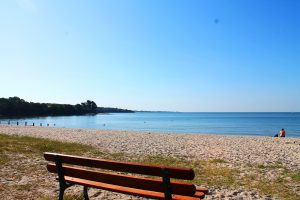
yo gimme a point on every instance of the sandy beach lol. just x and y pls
(238, 151)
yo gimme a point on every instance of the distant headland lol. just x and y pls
(17, 107)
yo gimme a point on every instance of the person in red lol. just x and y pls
(282, 133)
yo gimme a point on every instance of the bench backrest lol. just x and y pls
(138, 182)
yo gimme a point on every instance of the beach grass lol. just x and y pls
(296, 176)
(215, 173)
(31, 145)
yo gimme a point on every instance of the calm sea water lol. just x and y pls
(263, 124)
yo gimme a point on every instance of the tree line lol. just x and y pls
(14, 106)
(112, 110)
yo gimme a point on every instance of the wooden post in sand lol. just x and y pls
(33, 124)
(25, 123)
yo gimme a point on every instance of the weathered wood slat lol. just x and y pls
(199, 194)
(130, 167)
(142, 183)
(200, 189)
(126, 190)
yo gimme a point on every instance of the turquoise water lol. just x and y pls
(263, 124)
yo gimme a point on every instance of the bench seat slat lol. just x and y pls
(125, 180)
(200, 189)
(127, 190)
(200, 195)
(129, 167)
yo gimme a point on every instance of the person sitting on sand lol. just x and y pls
(282, 133)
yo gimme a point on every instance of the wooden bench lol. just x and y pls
(78, 170)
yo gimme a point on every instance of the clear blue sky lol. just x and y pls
(202, 55)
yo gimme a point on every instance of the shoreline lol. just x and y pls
(238, 150)
(154, 132)
(218, 123)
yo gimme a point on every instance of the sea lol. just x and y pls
(223, 123)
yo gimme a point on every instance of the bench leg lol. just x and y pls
(61, 193)
(85, 193)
